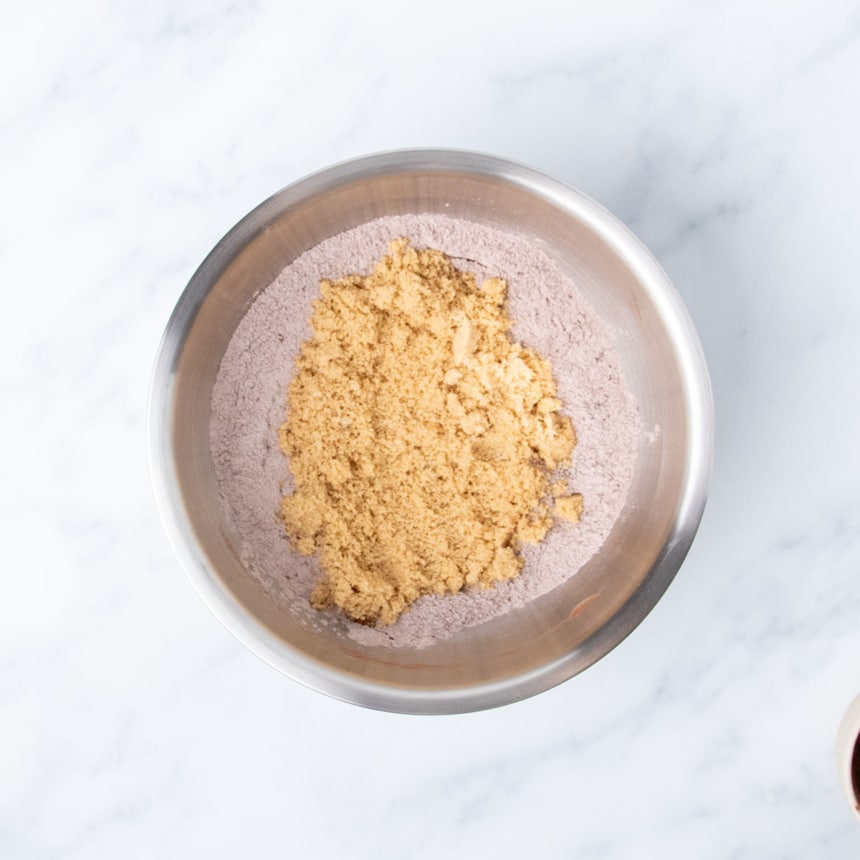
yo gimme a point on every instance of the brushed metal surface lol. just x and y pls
(544, 643)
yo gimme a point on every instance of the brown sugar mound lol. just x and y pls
(421, 438)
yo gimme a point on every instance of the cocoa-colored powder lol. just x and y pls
(549, 316)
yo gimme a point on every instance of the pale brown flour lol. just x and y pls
(550, 318)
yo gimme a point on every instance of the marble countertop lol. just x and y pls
(134, 135)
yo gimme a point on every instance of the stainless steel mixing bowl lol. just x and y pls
(554, 637)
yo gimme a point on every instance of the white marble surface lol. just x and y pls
(133, 135)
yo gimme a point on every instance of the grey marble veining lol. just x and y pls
(134, 135)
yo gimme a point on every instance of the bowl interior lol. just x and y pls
(545, 641)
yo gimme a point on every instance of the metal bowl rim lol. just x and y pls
(278, 653)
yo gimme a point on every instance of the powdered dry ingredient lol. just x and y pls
(420, 437)
(549, 317)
